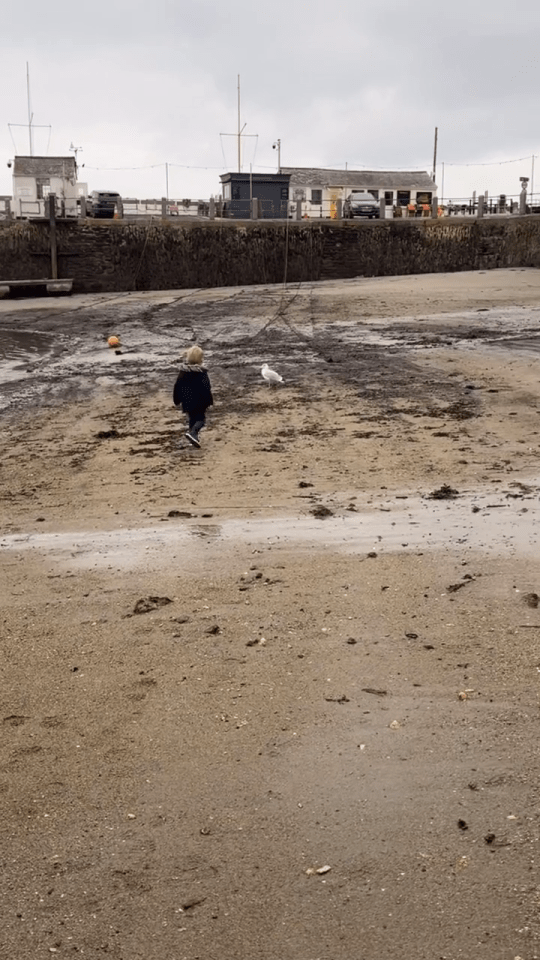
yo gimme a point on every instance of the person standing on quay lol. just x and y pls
(192, 393)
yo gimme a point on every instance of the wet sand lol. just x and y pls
(336, 660)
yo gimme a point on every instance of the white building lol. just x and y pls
(320, 189)
(34, 178)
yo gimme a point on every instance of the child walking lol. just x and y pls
(193, 393)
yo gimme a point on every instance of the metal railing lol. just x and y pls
(503, 205)
(164, 208)
(257, 209)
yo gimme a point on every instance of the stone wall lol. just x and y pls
(118, 255)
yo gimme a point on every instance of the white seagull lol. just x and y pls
(270, 375)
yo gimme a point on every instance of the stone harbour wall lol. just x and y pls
(104, 256)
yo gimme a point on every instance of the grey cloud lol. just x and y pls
(357, 82)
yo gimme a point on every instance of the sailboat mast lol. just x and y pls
(29, 111)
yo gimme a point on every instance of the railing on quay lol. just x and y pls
(257, 209)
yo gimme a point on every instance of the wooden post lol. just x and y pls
(83, 208)
(339, 209)
(164, 207)
(298, 209)
(254, 208)
(382, 209)
(212, 209)
(434, 208)
(52, 234)
(120, 208)
(481, 204)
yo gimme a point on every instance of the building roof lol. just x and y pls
(360, 179)
(282, 177)
(63, 167)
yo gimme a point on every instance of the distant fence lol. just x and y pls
(458, 206)
(256, 209)
(494, 206)
(165, 208)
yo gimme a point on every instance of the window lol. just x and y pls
(316, 196)
(389, 197)
(43, 187)
(403, 197)
(226, 191)
(236, 191)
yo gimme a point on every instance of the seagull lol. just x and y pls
(270, 375)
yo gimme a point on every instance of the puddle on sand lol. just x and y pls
(208, 530)
(477, 522)
(18, 348)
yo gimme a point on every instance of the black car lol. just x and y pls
(102, 204)
(361, 206)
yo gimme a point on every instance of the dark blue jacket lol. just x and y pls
(192, 388)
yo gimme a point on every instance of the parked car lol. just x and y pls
(361, 205)
(102, 204)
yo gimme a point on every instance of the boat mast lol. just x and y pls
(30, 115)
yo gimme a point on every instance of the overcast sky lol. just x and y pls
(138, 85)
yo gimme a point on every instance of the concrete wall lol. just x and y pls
(115, 255)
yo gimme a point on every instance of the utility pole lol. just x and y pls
(239, 131)
(277, 146)
(52, 235)
(435, 156)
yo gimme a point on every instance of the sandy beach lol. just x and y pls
(277, 698)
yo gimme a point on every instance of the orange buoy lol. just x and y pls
(114, 341)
